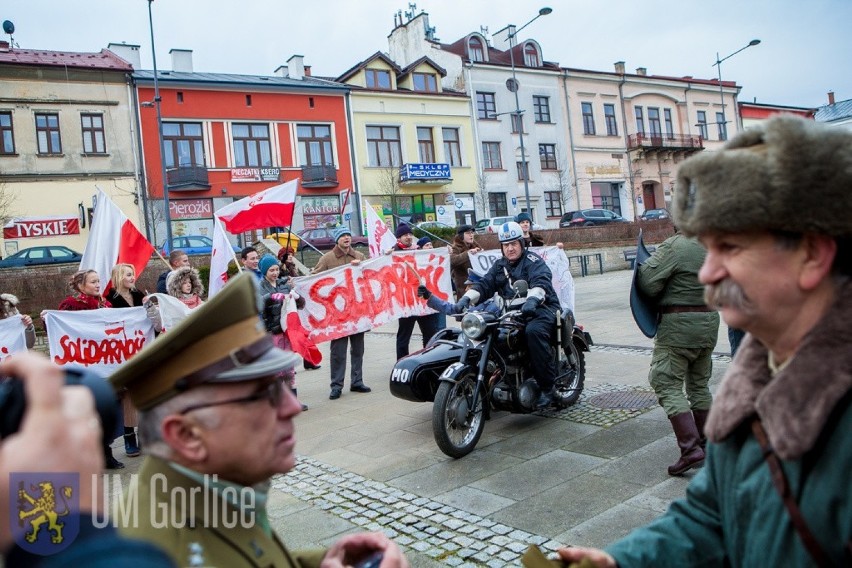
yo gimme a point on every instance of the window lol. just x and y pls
(383, 146)
(378, 79)
(183, 144)
(588, 119)
(315, 144)
(425, 82)
(452, 148)
(702, 124)
(667, 118)
(485, 105)
(251, 145)
(723, 128)
(611, 124)
(654, 122)
(93, 133)
(552, 204)
(475, 50)
(491, 159)
(541, 109)
(523, 170)
(531, 56)
(547, 154)
(497, 204)
(425, 145)
(605, 196)
(7, 133)
(640, 120)
(47, 134)
(517, 123)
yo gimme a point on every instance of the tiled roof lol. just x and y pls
(837, 111)
(233, 79)
(104, 59)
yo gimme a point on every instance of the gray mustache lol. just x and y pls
(727, 294)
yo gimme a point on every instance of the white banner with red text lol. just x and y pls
(12, 336)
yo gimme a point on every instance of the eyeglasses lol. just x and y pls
(273, 393)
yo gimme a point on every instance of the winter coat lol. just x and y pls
(336, 257)
(460, 262)
(193, 299)
(80, 302)
(118, 301)
(161, 282)
(732, 514)
(272, 308)
(529, 267)
(533, 240)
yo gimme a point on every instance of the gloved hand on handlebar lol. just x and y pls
(423, 292)
(530, 307)
(462, 304)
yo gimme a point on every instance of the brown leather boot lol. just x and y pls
(700, 420)
(691, 453)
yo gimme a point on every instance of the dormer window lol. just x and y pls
(531, 58)
(476, 49)
(378, 79)
(425, 82)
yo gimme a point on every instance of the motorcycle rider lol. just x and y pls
(540, 306)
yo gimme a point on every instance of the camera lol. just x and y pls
(13, 401)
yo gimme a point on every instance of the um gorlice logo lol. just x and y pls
(115, 349)
(42, 521)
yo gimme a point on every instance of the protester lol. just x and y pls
(185, 284)
(341, 255)
(250, 259)
(684, 343)
(177, 259)
(225, 415)
(441, 319)
(9, 309)
(774, 211)
(524, 219)
(288, 264)
(735, 337)
(61, 434)
(424, 243)
(463, 244)
(428, 324)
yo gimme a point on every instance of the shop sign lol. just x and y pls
(425, 172)
(26, 228)
(239, 175)
(191, 209)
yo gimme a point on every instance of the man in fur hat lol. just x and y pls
(774, 211)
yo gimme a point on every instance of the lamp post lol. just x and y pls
(160, 137)
(718, 66)
(513, 86)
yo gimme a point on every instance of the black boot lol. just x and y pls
(109, 461)
(545, 399)
(691, 453)
(296, 394)
(131, 444)
(700, 420)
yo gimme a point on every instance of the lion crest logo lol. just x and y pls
(43, 522)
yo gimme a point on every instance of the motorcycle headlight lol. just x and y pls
(473, 325)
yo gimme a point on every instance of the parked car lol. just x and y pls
(491, 224)
(321, 239)
(590, 217)
(651, 214)
(34, 256)
(192, 244)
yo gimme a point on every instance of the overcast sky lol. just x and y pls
(805, 50)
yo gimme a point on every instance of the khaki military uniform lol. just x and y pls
(199, 528)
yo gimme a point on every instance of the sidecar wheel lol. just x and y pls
(570, 376)
(456, 426)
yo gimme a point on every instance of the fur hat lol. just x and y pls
(8, 305)
(267, 261)
(339, 232)
(176, 276)
(402, 230)
(787, 174)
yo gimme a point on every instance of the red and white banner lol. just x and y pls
(12, 337)
(31, 227)
(271, 207)
(352, 299)
(220, 257)
(100, 339)
(113, 239)
(379, 237)
(172, 311)
(297, 335)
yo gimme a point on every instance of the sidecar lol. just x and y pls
(415, 376)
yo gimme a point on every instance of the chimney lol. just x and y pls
(501, 38)
(619, 67)
(128, 52)
(181, 60)
(307, 70)
(281, 71)
(296, 64)
(831, 97)
(642, 71)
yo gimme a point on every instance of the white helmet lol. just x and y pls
(509, 232)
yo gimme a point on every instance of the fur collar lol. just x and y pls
(794, 405)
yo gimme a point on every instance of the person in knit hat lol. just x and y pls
(424, 243)
(773, 209)
(428, 324)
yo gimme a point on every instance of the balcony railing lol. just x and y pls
(187, 178)
(319, 176)
(664, 142)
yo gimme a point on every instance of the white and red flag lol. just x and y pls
(379, 237)
(222, 254)
(113, 239)
(271, 207)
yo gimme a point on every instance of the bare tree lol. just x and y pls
(561, 182)
(389, 188)
(7, 201)
(480, 198)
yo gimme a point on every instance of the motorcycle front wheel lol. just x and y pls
(571, 375)
(456, 426)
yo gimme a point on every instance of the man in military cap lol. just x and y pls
(774, 211)
(217, 424)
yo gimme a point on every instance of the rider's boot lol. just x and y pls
(691, 453)
(545, 399)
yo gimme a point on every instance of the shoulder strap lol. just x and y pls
(779, 480)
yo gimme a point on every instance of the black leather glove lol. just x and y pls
(529, 307)
(462, 304)
(423, 292)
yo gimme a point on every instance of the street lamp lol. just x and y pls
(718, 66)
(513, 86)
(160, 136)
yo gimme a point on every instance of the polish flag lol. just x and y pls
(113, 239)
(298, 336)
(271, 207)
(222, 254)
(379, 237)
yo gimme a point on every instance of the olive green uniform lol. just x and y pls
(685, 340)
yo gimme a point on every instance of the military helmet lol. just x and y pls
(509, 232)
